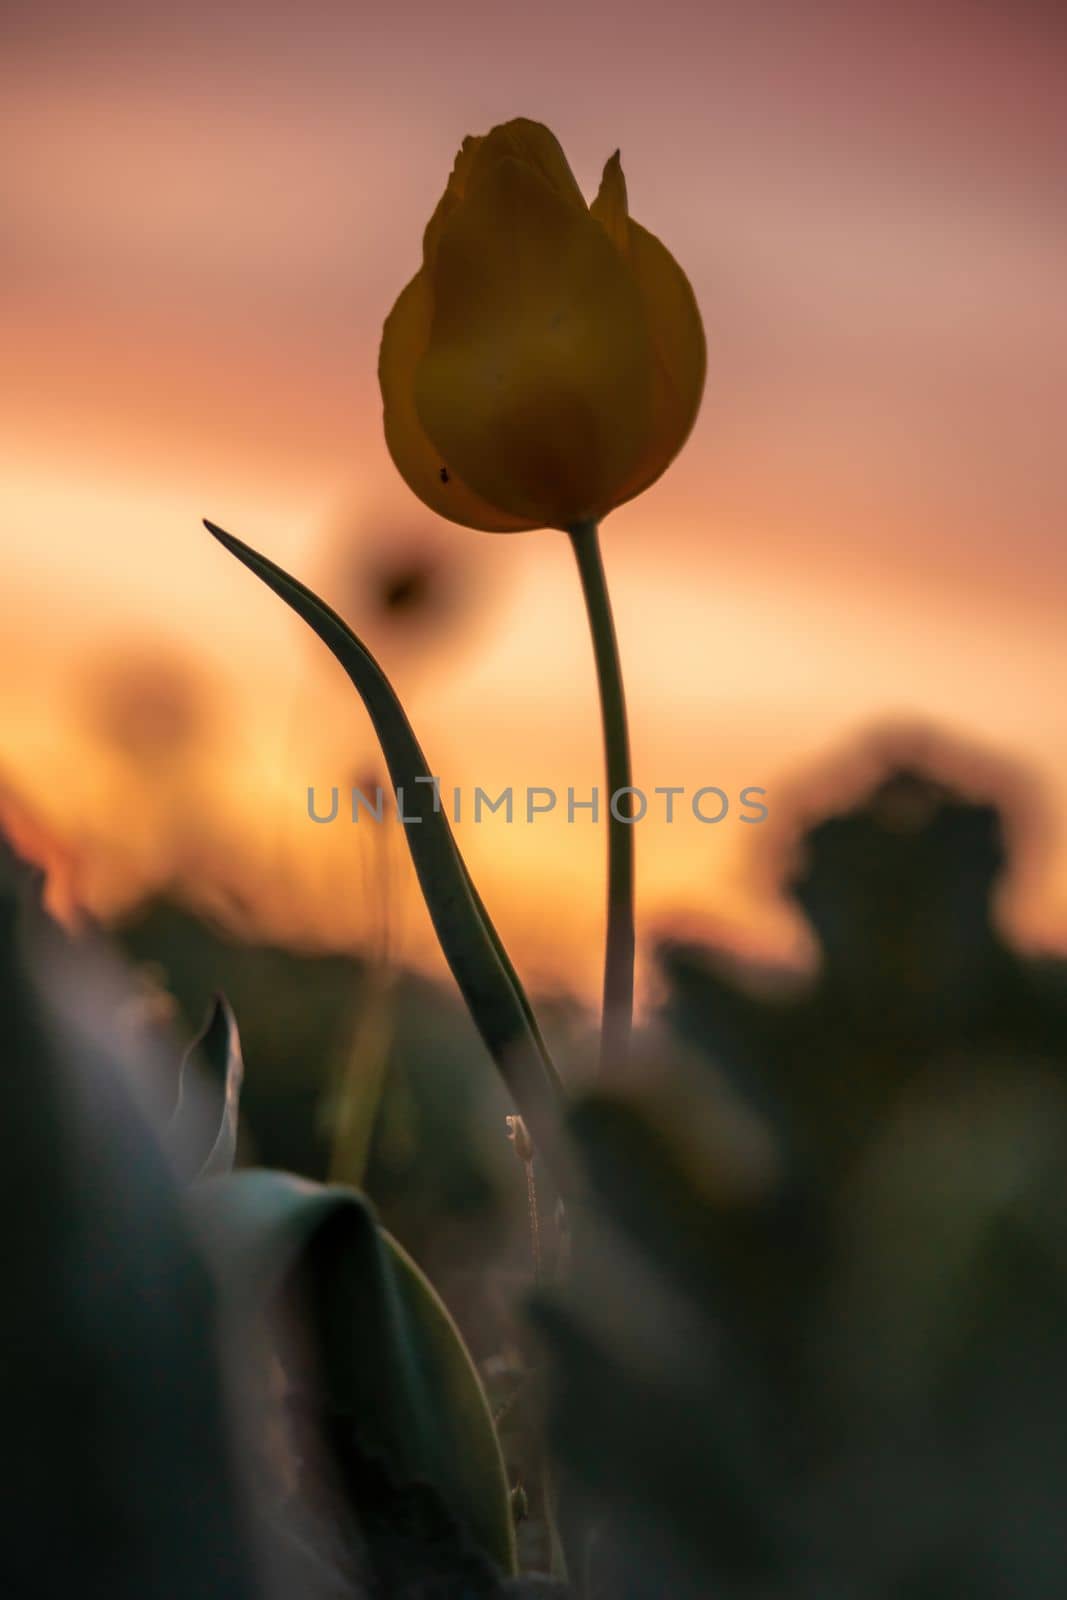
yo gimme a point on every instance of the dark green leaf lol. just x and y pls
(387, 1354)
(471, 945)
(218, 1048)
(117, 1433)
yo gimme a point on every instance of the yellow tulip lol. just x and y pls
(547, 361)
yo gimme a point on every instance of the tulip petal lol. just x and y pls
(610, 206)
(521, 139)
(454, 192)
(674, 326)
(535, 146)
(680, 355)
(433, 479)
(536, 383)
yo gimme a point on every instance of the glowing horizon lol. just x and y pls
(866, 525)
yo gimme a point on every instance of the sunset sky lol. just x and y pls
(207, 213)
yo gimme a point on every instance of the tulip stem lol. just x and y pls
(616, 1020)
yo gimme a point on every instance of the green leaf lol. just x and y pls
(218, 1046)
(118, 1422)
(362, 1078)
(656, 1410)
(473, 949)
(388, 1355)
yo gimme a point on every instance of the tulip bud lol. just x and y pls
(547, 361)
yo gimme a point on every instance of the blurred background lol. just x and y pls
(813, 1342)
(207, 215)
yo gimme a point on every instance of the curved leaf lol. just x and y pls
(120, 1429)
(486, 977)
(388, 1355)
(219, 1046)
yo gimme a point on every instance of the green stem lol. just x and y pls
(619, 953)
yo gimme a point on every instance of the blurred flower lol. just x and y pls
(147, 707)
(547, 361)
(409, 584)
(408, 588)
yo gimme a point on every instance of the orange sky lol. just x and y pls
(207, 216)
